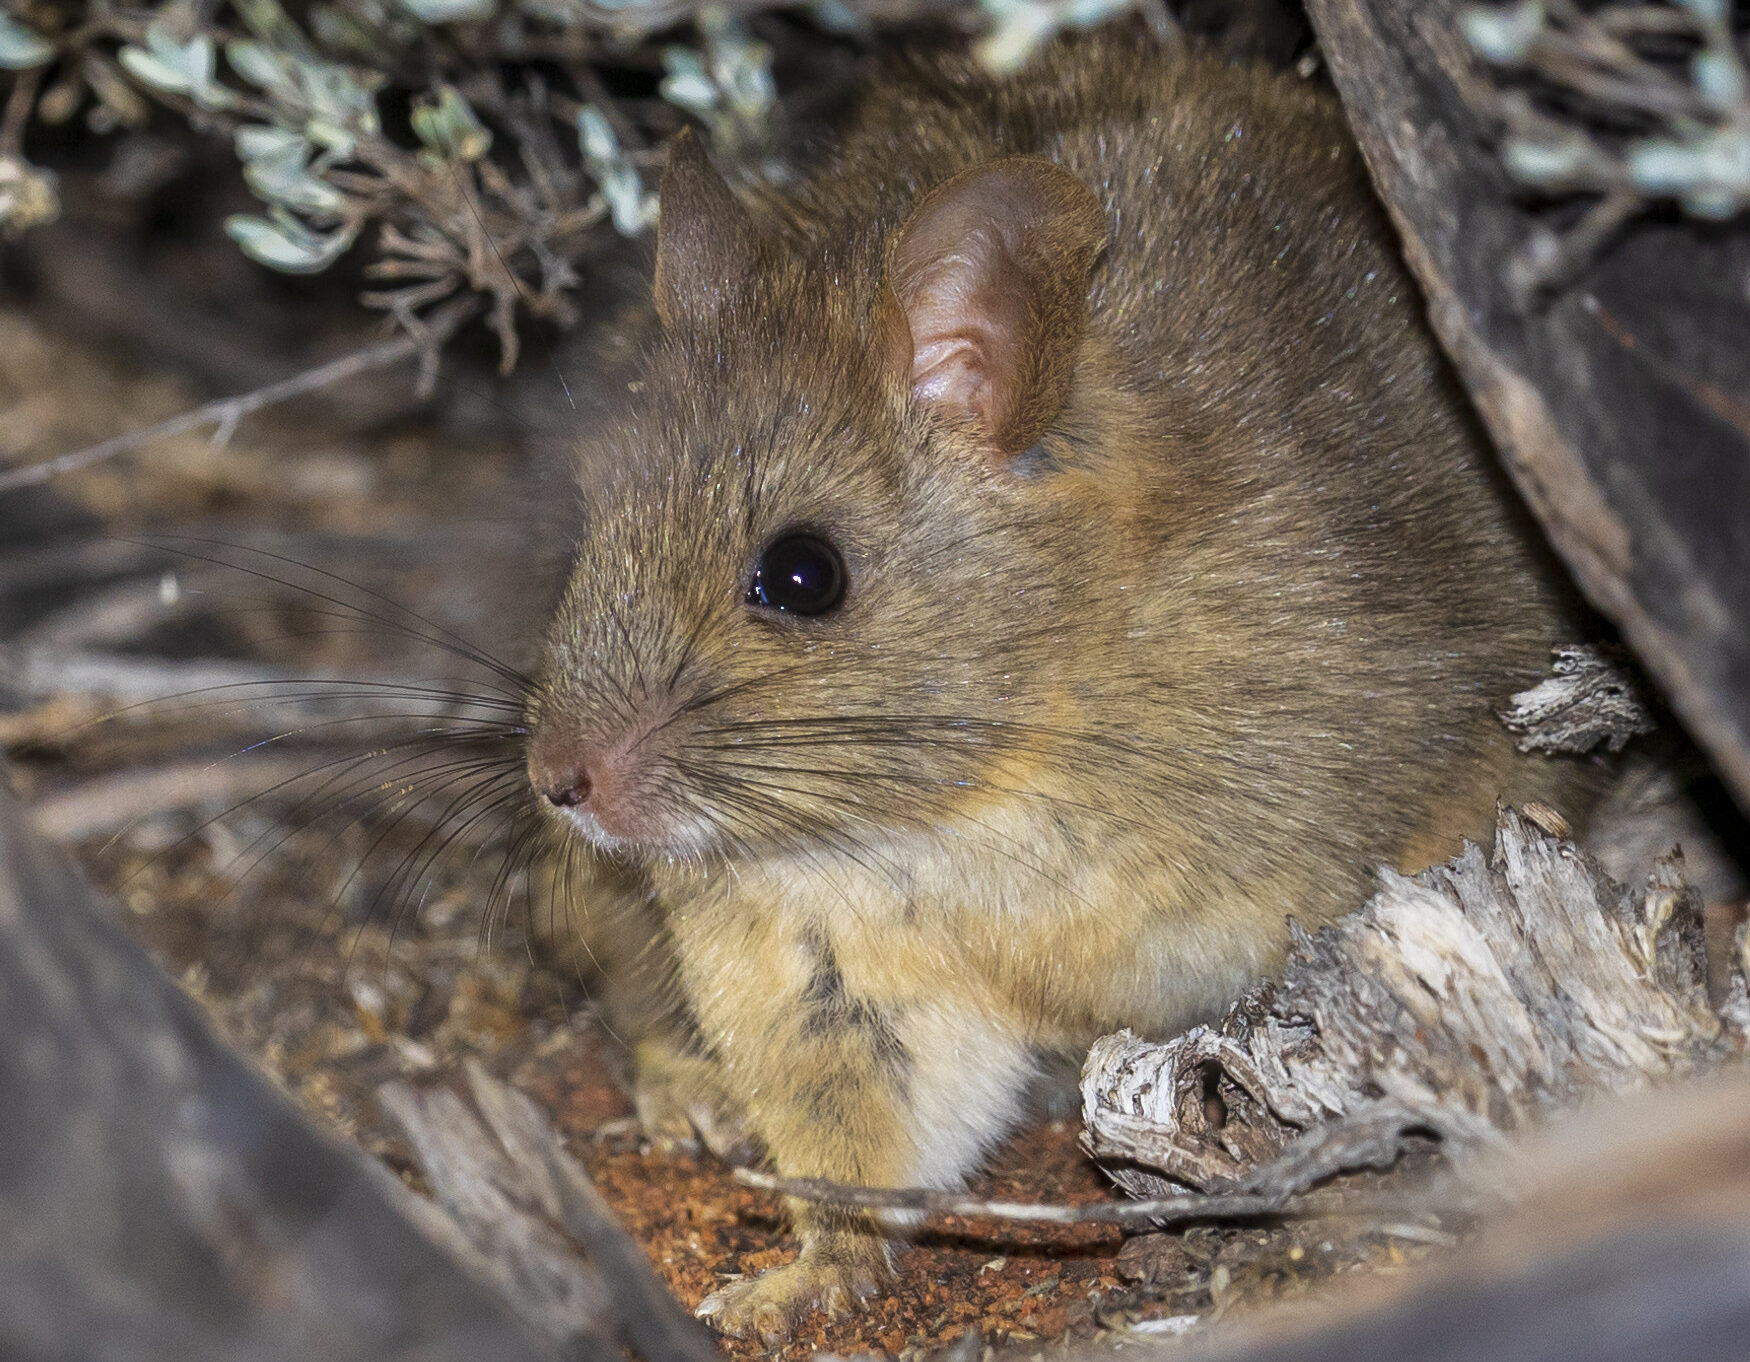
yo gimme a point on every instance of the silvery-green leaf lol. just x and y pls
(1720, 78)
(22, 48)
(338, 96)
(178, 66)
(448, 11)
(1021, 26)
(1547, 162)
(1659, 167)
(286, 181)
(1502, 36)
(742, 70)
(152, 70)
(196, 57)
(451, 128)
(1087, 13)
(214, 96)
(1710, 175)
(268, 21)
(1713, 203)
(1725, 168)
(260, 141)
(262, 68)
(596, 136)
(336, 29)
(286, 244)
(630, 207)
(686, 85)
(337, 140)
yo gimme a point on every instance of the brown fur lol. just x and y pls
(1091, 723)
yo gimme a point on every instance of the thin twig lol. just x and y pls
(18, 107)
(1219, 1206)
(96, 808)
(227, 412)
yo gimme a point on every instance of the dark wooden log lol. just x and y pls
(1632, 1243)
(1649, 1294)
(1622, 406)
(159, 1200)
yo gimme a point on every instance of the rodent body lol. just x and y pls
(1178, 596)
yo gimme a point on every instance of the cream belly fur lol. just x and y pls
(964, 997)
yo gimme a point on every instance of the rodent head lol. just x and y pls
(829, 558)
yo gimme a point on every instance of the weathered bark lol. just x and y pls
(1469, 1002)
(1589, 702)
(1621, 407)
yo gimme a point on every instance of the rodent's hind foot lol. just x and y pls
(832, 1278)
(681, 1101)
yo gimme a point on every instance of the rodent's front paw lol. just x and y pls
(681, 1101)
(771, 1305)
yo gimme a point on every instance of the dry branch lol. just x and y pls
(1158, 1212)
(423, 344)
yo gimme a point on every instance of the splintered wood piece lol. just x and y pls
(519, 1200)
(1590, 700)
(1467, 1003)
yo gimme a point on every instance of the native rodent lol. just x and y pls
(1177, 595)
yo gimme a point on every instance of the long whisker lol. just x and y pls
(374, 778)
(846, 807)
(478, 803)
(431, 632)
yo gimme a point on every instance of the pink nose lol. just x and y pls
(569, 790)
(564, 771)
(588, 776)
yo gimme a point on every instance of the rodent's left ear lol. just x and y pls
(990, 274)
(704, 237)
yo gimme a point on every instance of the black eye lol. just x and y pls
(801, 574)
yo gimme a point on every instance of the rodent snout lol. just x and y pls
(600, 786)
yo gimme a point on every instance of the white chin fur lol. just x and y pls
(687, 842)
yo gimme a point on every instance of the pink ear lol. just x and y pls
(990, 273)
(704, 237)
